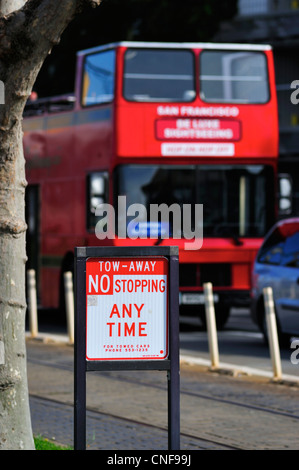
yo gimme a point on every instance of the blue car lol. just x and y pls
(277, 266)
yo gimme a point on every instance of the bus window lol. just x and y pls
(237, 199)
(32, 211)
(159, 75)
(98, 78)
(233, 77)
(97, 194)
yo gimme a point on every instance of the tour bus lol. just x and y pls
(188, 125)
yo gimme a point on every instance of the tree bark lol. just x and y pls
(27, 35)
(7, 6)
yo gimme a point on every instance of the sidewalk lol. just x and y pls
(209, 419)
(114, 433)
(55, 421)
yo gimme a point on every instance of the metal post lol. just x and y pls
(69, 304)
(174, 373)
(32, 302)
(211, 325)
(170, 364)
(79, 359)
(272, 332)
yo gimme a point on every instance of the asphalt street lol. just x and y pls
(128, 410)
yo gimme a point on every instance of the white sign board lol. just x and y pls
(126, 308)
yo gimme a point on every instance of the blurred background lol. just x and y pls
(274, 22)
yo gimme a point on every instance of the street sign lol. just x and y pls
(126, 308)
(127, 318)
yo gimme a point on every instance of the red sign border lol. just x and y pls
(139, 258)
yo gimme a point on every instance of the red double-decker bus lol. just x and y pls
(158, 123)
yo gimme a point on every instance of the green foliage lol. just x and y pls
(42, 443)
(130, 20)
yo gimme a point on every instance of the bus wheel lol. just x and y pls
(221, 317)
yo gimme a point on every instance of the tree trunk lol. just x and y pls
(15, 429)
(7, 6)
(14, 412)
(26, 37)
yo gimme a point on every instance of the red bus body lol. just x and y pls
(211, 142)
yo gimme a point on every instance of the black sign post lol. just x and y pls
(169, 364)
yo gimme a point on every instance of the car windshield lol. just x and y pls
(282, 246)
(237, 199)
(291, 251)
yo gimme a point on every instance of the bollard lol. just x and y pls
(32, 303)
(69, 304)
(211, 325)
(272, 332)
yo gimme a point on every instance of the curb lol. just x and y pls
(224, 368)
(236, 371)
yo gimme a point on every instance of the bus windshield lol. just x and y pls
(159, 75)
(237, 199)
(233, 77)
(225, 76)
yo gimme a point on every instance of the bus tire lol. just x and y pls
(221, 316)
